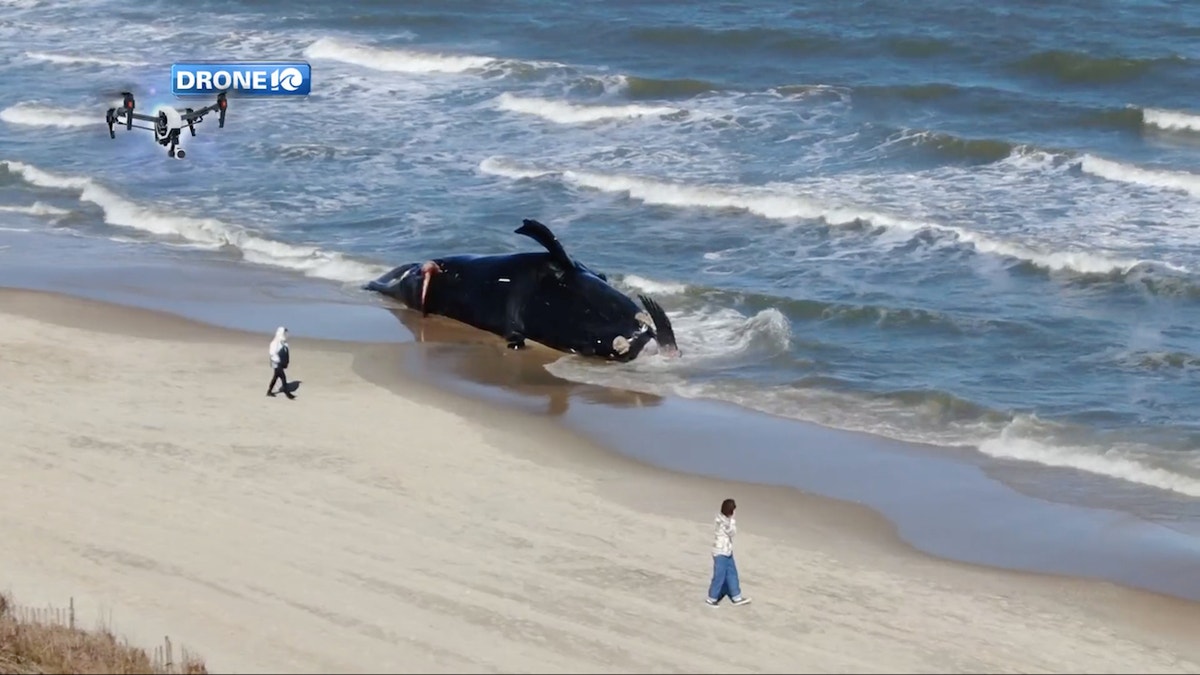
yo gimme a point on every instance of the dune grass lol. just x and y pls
(37, 640)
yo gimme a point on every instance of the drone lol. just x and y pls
(168, 123)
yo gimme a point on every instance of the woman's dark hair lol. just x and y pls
(727, 507)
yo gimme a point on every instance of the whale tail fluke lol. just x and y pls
(542, 235)
(664, 333)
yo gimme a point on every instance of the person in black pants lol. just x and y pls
(279, 362)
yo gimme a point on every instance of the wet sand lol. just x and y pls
(378, 522)
(453, 407)
(952, 503)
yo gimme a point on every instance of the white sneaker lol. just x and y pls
(740, 600)
(711, 602)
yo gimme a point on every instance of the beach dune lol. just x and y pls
(368, 527)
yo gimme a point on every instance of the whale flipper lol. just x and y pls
(542, 235)
(514, 310)
(664, 333)
(514, 322)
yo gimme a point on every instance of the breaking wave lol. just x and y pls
(37, 115)
(716, 338)
(782, 203)
(1171, 120)
(206, 232)
(77, 60)
(1152, 178)
(561, 112)
(393, 60)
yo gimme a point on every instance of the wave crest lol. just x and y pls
(393, 60)
(1028, 439)
(1153, 178)
(206, 232)
(643, 88)
(1079, 68)
(975, 150)
(35, 209)
(1171, 120)
(38, 115)
(783, 203)
(78, 60)
(562, 112)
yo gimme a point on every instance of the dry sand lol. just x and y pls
(390, 528)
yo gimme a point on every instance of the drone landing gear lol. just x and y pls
(113, 116)
(171, 140)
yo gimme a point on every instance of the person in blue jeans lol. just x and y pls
(725, 575)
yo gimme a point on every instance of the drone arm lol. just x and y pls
(190, 115)
(220, 106)
(130, 116)
(113, 117)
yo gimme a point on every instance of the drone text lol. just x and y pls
(272, 78)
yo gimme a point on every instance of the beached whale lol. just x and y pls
(546, 297)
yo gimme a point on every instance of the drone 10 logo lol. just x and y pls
(246, 78)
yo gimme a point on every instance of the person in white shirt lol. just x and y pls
(725, 575)
(280, 356)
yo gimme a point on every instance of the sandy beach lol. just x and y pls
(364, 527)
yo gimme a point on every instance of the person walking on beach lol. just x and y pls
(725, 575)
(279, 362)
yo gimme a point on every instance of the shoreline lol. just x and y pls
(947, 505)
(565, 519)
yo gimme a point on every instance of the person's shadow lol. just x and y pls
(291, 387)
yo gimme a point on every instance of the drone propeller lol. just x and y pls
(125, 107)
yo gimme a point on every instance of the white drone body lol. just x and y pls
(167, 122)
(163, 132)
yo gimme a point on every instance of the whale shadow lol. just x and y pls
(484, 360)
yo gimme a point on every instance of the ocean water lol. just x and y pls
(957, 223)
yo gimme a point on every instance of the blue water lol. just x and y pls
(971, 225)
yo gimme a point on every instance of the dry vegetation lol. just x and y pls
(34, 640)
